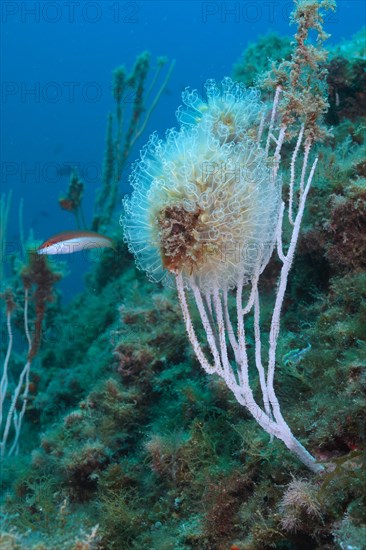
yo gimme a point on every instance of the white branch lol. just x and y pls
(273, 114)
(210, 369)
(258, 354)
(209, 329)
(13, 415)
(4, 377)
(229, 326)
(292, 174)
(307, 147)
(228, 373)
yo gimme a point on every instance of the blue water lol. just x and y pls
(57, 59)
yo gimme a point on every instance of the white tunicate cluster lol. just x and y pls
(204, 200)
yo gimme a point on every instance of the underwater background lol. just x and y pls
(125, 442)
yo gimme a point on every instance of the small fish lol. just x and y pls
(74, 241)
(294, 356)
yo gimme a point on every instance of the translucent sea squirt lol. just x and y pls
(205, 202)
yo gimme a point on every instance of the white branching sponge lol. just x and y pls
(205, 200)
